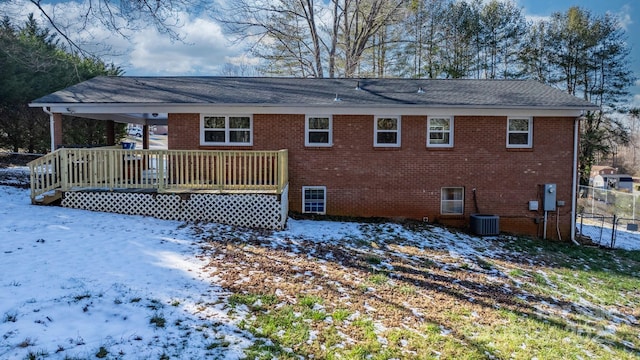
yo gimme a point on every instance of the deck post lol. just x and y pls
(111, 169)
(161, 161)
(64, 173)
(283, 176)
(220, 173)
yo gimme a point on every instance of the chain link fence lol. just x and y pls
(608, 218)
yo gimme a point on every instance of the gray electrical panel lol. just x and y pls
(549, 198)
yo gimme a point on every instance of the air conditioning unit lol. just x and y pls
(483, 224)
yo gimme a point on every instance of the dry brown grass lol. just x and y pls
(403, 298)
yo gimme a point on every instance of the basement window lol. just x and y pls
(314, 199)
(519, 132)
(452, 201)
(226, 130)
(318, 131)
(386, 131)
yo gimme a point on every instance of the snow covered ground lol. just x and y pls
(73, 282)
(78, 284)
(625, 239)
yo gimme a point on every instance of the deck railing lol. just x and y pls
(162, 170)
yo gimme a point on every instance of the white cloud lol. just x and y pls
(636, 101)
(203, 51)
(624, 17)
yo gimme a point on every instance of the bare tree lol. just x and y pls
(307, 38)
(363, 21)
(239, 69)
(118, 16)
(283, 32)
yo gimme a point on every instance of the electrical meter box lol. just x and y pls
(549, 198)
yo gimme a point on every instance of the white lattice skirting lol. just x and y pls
(249, 210)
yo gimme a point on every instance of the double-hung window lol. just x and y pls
(452, 201)
(519, 132)
(386, 131)
(314, 199)
(439, 131)
(226, 130)
(318, 131)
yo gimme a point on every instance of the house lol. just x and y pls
(620, 182)
(607, 177)
(602, 170)
(440, 151)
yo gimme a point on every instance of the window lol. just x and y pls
(387, 131)
(519, 132)
(318, 131)
(314, 199)
(225, 130)
(452, 201)
(440, 132)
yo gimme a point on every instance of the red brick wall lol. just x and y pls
(406, 182)
(185, 131)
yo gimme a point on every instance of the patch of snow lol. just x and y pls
(369, 308)
(313, 336)
(414, 311)
(444, 331)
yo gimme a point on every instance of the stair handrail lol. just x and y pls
(45, 173)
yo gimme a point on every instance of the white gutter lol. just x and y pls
(51, 127)
(574, 195)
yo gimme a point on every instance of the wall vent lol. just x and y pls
(483, 224)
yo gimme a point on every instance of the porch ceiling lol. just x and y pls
(129, 118)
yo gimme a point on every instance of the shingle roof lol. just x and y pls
(317, 92)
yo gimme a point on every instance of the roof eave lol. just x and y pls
(334, 104)
(100, 110)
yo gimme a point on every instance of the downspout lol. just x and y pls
(574, 195)
(51, 128)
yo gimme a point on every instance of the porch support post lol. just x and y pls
(145, 137)
(110, 130)
(56, 131)
(55, 128)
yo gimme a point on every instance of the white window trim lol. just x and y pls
(324, 200)
(306, 131)
(226, 131)
(442, 200)
(375, 131)
(529, 143)
(450, 144)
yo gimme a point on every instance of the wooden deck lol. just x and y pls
(161, 171)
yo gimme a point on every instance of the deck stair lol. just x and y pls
(48, 198)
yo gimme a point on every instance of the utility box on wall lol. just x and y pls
(549, 198)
